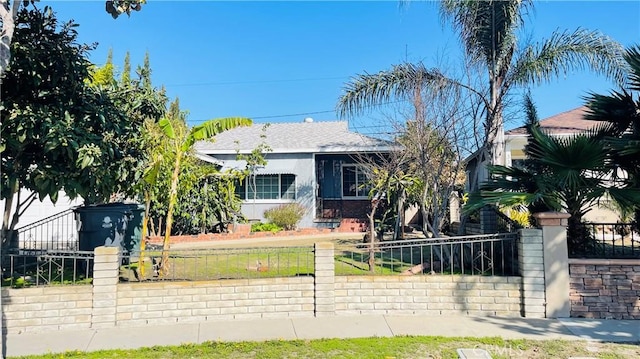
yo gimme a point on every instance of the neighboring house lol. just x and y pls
(561, 125)
(564, 124)
(315, 164)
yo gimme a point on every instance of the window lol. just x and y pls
(354, 181)
(281, 186)
(518, 163)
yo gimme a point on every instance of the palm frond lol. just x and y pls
(211, 128)
(400, 82)
(487, 28)
(566, 51)
(618, 108)
(632, 56)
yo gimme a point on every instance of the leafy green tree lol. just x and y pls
(621, 109)
(105, 75)
(488, 31)
(560, 173)
(59, 132)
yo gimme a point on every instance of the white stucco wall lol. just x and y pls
(43, 209)
(299, 164)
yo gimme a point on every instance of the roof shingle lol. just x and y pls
(565, 123)
(305, 137)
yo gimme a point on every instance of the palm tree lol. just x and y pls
(488, 31)
(560, 173)
(622, 109)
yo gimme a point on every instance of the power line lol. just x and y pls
(222, 83)
(306, 113)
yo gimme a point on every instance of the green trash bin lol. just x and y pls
(111, 225)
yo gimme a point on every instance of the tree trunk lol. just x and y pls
(143, 240)
(173, 194)
(372, 235)
(8, 29)
(7, 235)
(399, 230)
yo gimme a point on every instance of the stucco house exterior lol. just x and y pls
(312, 163)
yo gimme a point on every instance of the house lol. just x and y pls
(316, 164)
(563, 124)
(566, 124)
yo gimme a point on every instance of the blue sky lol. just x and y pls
(281, 61)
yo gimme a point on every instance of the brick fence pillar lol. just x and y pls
(106, 272)
(531, 264)
(324, 286)
(556, 263)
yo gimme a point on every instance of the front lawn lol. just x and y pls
(378, 348)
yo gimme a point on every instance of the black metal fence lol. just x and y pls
(612, 241)
(57, 232)
(31, 268)
(492, 254)
(210, 264)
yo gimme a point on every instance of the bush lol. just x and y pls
(265, 227)
(286, 216)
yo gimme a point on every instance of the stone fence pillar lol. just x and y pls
(325, 279)
(556, 263)
(106, 273)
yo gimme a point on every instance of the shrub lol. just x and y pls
(286, 216)
(265, 227)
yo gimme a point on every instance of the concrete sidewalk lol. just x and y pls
(324, 327)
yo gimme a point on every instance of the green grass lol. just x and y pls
(238, 264)
(293, 261)
(32, 272)
(378, 348)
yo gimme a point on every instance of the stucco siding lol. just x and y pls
(299, 164)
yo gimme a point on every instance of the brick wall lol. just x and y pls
(178, 302)
(45, 309)
(602, 288)
(430, 295)
(351, 208)
(108, 303)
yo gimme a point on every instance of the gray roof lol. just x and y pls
(305, 137)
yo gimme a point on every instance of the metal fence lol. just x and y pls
(46, 268)
(612, 241)
(210, 264)
(57, 232)
(492, 254)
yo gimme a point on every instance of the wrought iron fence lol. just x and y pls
(612, 240)
(209, 264)
(30, 268)
(57, 232)
(492, 254)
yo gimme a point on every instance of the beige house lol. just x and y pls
(567, 123)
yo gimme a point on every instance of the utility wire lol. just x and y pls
(222, 83)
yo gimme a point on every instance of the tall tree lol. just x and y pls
(125, 76)
(9, 12)
(104, 75)
(60, 133)
(489, 31)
